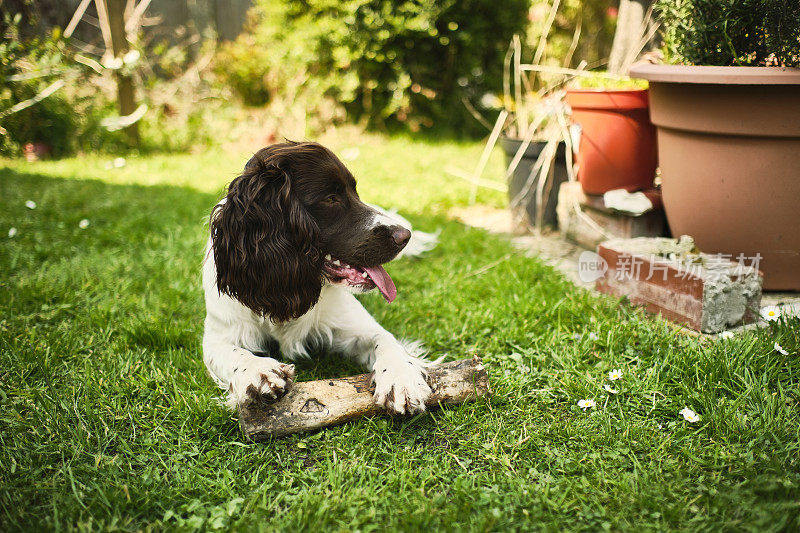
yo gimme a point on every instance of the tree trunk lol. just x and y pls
(630, 34)
(230, 16)
(119, 43)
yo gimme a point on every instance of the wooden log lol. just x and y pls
(312, 405)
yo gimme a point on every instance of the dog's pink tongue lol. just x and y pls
(383, 281)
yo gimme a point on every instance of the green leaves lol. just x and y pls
(731, 32)
(388, 63)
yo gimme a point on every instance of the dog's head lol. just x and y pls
(293, 221)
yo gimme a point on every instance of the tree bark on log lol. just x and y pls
(312, 405)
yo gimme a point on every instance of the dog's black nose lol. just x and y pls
(400, 236)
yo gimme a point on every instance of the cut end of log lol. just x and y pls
(313, 405)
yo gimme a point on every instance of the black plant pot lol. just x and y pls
(523, 171)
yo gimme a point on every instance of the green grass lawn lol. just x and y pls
(109, 421)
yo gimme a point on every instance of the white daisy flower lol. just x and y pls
(689, 415)
(780, 349)
(30, 204)
(586, 404)
(577, 336)
(83, 224)
(12, 232)
(725, 335)
(609, 390)
(770, 313)
(119, 162)
(593, 336)
(615, 374)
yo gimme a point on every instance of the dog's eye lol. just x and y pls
(331, 200)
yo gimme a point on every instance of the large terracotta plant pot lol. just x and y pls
(618, 143)
(729, 151)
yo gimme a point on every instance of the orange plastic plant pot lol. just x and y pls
(618, 142)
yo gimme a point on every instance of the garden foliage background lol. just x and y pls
(297, 69)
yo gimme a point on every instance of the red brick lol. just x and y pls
(708, 295)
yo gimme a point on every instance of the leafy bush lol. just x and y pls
(26, 69)
(731, 32)
(70, 119)
(388, 62)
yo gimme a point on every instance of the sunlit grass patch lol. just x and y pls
(109, 421)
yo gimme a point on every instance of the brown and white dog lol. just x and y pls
(290, 244)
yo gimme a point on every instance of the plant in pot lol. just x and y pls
(534, 134)
(538, 163)
(727, 111)
(533, 129)
(617, 147)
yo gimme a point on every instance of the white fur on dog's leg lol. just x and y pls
(400, 385)
(263, 379)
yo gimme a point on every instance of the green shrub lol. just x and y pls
(26, 69)
(243, 66)
(70, 120)
(50, 122)
(388, 62)
(731, 32)
(67, 120)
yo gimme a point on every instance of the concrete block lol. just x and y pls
(707, 292)
(593, 223)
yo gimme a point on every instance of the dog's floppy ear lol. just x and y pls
(265, 243)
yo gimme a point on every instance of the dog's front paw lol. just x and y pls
(264, 380)
(400, 386)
